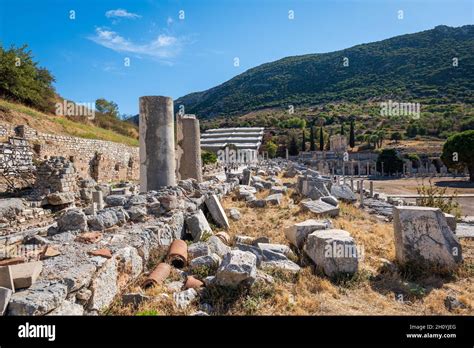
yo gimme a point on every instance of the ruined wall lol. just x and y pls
(15, 156)
(98, 159)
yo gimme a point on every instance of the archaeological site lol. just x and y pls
(126, 231)
(246, 172)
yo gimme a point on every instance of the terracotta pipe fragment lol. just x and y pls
(178, 253)
(192, 282)
(158, 276)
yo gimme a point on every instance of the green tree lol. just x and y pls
(23, 81)
(312, 144)
(303, 141)
(380, 137)
(208, 157)
(106, 107)
(352, 135)
(293, 147)
(271, 148)
(458, 152)
(392, 163)
(321, 139)
(396, 136)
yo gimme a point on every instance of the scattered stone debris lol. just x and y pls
(97, 238)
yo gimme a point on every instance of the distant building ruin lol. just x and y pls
(231, 145)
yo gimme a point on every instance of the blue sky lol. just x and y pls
(172, 56)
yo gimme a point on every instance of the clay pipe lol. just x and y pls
(158, 276)
(178, 253)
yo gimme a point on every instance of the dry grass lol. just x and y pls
(374, 290)
(19, 114)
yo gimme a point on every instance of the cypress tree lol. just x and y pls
(321, 139)
(293, 147)
(352, 135)
(303, 142)
(312, 145)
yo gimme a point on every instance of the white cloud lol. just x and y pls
(162, 47)
(121, 13)
(169, 21)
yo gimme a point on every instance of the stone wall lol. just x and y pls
(15, 156)
(98, 159)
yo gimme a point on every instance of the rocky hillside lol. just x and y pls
(414, 66)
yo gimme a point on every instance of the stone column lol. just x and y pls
(287, 155)
(361, 193)
(188, 138)
(358, 186)
(371, 185)
(97, 198)
(352, 184)
(157, 151)
(358, 168)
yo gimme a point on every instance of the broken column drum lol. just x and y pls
(157, 148)
(189, 147)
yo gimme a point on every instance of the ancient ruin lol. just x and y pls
(157, 149)
(75, 243)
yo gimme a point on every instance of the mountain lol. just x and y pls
(407, 67)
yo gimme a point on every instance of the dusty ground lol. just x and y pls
(375, 290)
(453, 186)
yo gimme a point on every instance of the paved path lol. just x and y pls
(461, 195)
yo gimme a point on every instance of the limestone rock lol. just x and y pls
(334, 251)
(451, 220)
(234, 214)
(208, 261)
(278, 190)
(217, 212)
(237, 266)
(198, 249)
(283, 264)
(103, 220)
(25, 274)
(68, 308)
(60, 198)
(137, 213)
(217, 246)
(297, 233)
(10, 208)
(72, 220)
(184, 298)
(422, 235)
(116, 200)
(197, 225)
(39, 299)
(274, 199)
(343, 192)
(320, 208)
(104, 286)
(5, 295)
